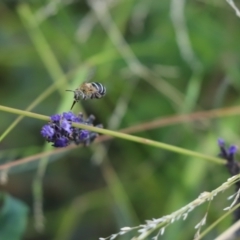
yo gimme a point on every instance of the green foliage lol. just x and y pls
(48, 46)
(13, 217)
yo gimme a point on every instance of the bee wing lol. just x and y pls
(90, 75)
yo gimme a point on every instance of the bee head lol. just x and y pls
(78, 94)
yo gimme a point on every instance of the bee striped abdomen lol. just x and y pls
(101, 90)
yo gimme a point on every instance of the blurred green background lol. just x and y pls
(156, 59)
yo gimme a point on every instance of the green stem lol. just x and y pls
(121, 135)
(24, 113)
(207, 230)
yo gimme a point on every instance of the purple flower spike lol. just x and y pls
(233, 168)
(61, 133)
(229, 155)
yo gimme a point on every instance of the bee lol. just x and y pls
(88, 91)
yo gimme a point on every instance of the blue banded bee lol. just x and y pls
(88, 91)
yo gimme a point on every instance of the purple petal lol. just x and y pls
(69, 116)
(84, 134)
(61, 142)
(232, 149)
(66, 126)
(78, 119)
(221, 142)
(47, 131)
(56, 117)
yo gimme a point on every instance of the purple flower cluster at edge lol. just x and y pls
(61, 133)
(234, 168)
(229, 154)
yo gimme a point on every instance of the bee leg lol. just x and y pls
(98, 95)
(73, 104)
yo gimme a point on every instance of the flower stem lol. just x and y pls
(121, 135)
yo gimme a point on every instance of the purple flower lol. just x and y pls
(72, 117)
(56, 117)
(66, 125)
(78, 119)
(69, 116)
(61, 133)
(232, 150)
(233, 168)
(47, 131)
(84, 134)
(229, 156)
(229, 153)
(61, 142)
(221, 142)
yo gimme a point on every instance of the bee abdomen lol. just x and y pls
(101, 90)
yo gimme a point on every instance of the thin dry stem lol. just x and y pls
(161, 223)
(233, 5)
